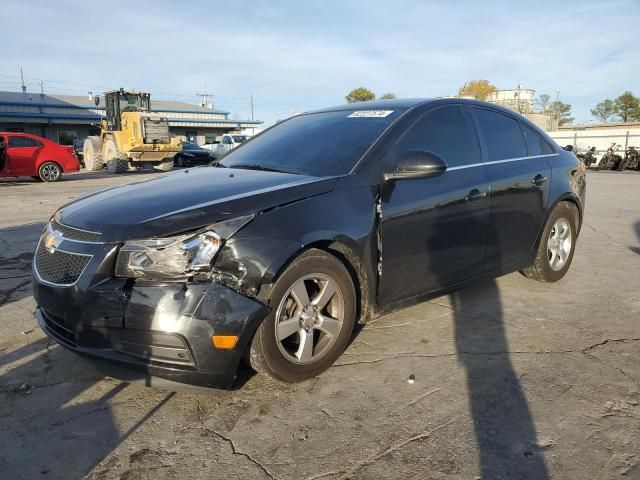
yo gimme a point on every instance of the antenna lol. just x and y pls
(24, 87)
(205, 98)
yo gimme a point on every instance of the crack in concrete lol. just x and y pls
(606, 235)
(347, 472)
(230, 441)
(395, 355)
(6, 296)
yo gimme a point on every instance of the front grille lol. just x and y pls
(156, 130)
(75, 233)
(59, 268)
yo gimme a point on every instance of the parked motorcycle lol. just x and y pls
(588, 157)
(610, 160)
(632, 159)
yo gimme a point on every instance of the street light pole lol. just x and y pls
(557, 108)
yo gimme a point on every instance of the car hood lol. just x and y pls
(187, 200)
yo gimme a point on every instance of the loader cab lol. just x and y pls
(119, 101)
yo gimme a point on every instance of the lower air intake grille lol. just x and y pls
(60, 268)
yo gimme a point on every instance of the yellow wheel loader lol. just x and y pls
(131, 137)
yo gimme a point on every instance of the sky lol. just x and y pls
(302, 55)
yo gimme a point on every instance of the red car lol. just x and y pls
(25, 155)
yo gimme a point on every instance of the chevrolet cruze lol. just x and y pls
(324, 220)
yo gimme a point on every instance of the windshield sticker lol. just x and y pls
(371, 114)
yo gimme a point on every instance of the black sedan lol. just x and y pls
(192, 154)
(325, 219)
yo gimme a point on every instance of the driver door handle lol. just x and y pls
(475, 195)
(539, 180)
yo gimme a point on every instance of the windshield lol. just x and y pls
(317, 144)
(133, 103)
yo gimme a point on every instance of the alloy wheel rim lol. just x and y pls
(309, 318)
(559, 244)
(50, 172)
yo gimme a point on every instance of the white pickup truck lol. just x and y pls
(228, 142)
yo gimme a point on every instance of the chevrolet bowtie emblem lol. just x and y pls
(52, 240)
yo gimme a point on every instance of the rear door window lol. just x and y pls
(23, 142)
(503, 138)
(533, 141)
(445, 132)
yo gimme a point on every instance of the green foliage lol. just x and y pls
(628, 107)
(360, 94)
(604, 110)
(562, 111)
(388, 96)
(477, 88)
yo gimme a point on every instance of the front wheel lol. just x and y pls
(49, 172)
(312, 317)
(557, 244)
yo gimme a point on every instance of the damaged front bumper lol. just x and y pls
(156, 331)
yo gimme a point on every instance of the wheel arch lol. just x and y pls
(565, 197)
(348, 255)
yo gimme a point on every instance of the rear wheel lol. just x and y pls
(312, 317)
(92, 154)
(557, 244)
(116, 162)
(49, 172)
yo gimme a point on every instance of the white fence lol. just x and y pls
(601, 138)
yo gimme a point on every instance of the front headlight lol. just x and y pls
(175, 258)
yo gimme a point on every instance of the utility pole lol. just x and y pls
(205, 98)
(24, 87)
(41, 88)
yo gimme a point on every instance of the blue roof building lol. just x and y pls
(63, 118)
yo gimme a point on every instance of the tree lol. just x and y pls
(388, 96)
(543, 101)
(604, 110)
(628, 107)
(360, 94)
(477, 88)
(562, 112)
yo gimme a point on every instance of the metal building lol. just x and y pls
(63, 118)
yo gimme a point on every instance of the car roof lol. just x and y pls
(377, 104)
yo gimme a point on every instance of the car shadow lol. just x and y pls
(55, 420)
(17, 245)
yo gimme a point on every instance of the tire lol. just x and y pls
(164, 166)
(50, 172)
(92, 154)
(113, 159)
(551, 264)
(35, 177)
(178, 161)
(285, 359)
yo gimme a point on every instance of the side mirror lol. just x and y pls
(417, 164)
(96, 100)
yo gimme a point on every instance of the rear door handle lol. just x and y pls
(539, 180)
(475, 195)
